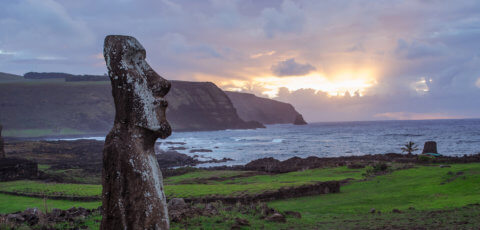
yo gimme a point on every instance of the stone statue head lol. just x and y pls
(138, 91)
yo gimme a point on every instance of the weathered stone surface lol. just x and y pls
(2, 150)
(133, 196)
(430, 147)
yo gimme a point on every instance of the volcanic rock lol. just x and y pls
(132, 196)
(276, 217)
(242, 222)
(17, 169)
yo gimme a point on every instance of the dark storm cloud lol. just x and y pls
(290, 67)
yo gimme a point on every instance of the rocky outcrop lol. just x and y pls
(2, 150)
(299, 120)
(132, 196)
(17, 169)
(33, 216)
(263, 110)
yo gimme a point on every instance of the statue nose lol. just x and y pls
(160, 88)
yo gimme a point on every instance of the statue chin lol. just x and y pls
(162, 131)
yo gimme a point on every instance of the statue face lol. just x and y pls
(137, 89)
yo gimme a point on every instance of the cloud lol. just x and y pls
(288, 19)
(290, 67)
(477, 83)
(415, 50)
(261, 54)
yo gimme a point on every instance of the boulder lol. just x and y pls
(276, 217)
(176, 204)
(430, 147)
(242, 222)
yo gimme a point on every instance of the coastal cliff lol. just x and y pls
(202, 106)
(264, 110)
(55, 107)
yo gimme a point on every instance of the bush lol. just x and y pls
(425, 158)
(375, 169)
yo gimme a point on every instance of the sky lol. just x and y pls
(333, 60)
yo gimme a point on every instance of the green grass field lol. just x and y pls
(186, 186)
(9, 204)
(427, 196)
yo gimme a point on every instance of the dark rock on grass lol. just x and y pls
(372, 210)
(276, 217)
(177, 209)
(176, 203)
(396, 211)
(33, 216)
(17, 218)
(242, 222)
(293, 214)
(17, 169)
(266, 211)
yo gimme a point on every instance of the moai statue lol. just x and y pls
(2, 151)
(132, 196)
(430, 147)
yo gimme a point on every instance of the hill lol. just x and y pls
(52, 108)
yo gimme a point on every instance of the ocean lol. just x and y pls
(327, 139)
